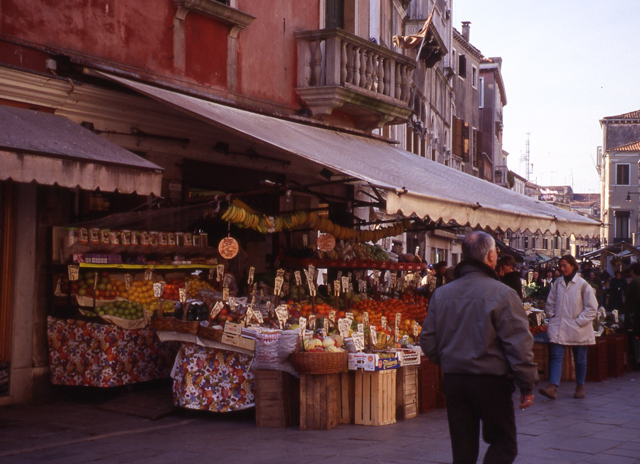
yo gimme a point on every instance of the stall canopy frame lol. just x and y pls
(415, 185)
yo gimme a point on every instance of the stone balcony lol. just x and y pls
(338, 70)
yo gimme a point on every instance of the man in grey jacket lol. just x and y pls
(477, 330)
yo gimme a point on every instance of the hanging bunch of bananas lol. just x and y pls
(244, 219)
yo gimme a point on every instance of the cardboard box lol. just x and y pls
(372, 362)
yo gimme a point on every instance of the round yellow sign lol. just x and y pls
(228, 247)
(326, 242)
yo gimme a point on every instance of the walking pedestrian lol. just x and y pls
(632, 315)
(477, 331)
(571, 308)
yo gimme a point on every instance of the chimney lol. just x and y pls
(465, 30)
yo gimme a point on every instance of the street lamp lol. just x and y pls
(628, 199)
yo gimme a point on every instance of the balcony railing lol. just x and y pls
(337, 69)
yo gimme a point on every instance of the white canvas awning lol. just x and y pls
(416, 185)
(52, 150)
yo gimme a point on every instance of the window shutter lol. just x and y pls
(465, 142)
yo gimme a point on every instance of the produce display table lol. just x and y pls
(102, 355)
(212, 379)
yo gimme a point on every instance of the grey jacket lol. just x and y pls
(477, 325)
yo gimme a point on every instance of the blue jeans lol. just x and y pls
(555, 363)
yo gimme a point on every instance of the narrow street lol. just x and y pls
(603, 428)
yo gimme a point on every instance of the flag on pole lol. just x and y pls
(414, 40)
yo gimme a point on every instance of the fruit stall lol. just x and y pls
(333, 320)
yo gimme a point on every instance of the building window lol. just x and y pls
(622, 174)
(526, 242)
(557, 245)
(453, 61)
(622, 225)
(334, 14)
(481, 93)
(474, 77)
(462, 66)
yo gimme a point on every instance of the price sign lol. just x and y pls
(252, 273)
(278, 286)
(396, 334)
(312, 271)
(539, 318)
(349, 315)
(228, 247)
(362, 286)
(376, 278)
(324, 278)
(374, 335)
(225, 293)
(280, 273)
(216, 309)
(336, 287)
(127, 281)
(358, 341)
(182, 294)
(383, 322)
(416, 330)
(417, 250)
(325, 326)
(361, 328)
(148, 274)
(298, 278)
(228, 278)
(220, 275)
(345, 284)
(232, 303)
(405, 340)
(157, 289)
(312, 322)
(211, 274)
(74, 272)
(312, 289)
(393, 279)
(302, 322)
(365, 318)
(305, 240)
(344, 325)
(398, 319)
(332, 315)
(282, 313)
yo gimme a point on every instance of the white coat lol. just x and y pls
(571, 310)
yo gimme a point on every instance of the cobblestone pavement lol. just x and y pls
(603, 428)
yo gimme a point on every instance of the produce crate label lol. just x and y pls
(230, 339)
(127, 281)
(282, 313)
(182, 292)
(344, 325)
(374, 335)
(332, 315)
(365, 318)
(232, 328)
(398, 319)
(220, 274)
(216, 309)
(298, 278)
(358, 340)
(416, 329)
(148, 274)
(345, 284)
(74, 272)
(277, 290)
(157, 289)
(361, 328)
(225, 293)
(252, 272)
(383, 322)
(336, 287)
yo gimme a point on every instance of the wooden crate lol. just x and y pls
(597, 355)
(276, 395)
(429, 383)
(347, 397)
(375, 397)
(541, 357)
(615, 355)
(407, 392)
(319, 404)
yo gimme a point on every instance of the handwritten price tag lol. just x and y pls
(302, 322)
(365, 318)
(374, 335)
(332, 315)
(416, 330)
(127, 281)
(225, 293)
(252, 273)
(157, 289)
(345, 284)
(398, 319)
(148, 274)
(361, 328)
(210, 274)
(220, 272)
(216, 309)
(278, 285)
(282, 313)
(298, 278)
(349, 315)
(325, 325)
(383, 322)
(74, 272)
(336, 287)
(312, 322)
(358, 340)
(344, 325)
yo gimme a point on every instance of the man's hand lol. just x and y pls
(526, 401)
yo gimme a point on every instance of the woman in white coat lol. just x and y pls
(571, 308)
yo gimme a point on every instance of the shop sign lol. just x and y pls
(326, 242)
(228, 247)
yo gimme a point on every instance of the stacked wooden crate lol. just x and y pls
(375, 397)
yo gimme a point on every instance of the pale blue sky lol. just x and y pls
(566, 65)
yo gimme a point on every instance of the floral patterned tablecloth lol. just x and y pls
(212, 379)
(103, 355)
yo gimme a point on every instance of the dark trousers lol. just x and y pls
(486, 399)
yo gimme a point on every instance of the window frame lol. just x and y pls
(619, 165)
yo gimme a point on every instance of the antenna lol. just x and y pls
(526, 159)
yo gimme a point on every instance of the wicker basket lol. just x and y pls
(319, 363)
(210, 333)
(163, 323)
(177, 325)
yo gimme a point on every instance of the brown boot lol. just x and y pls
(579, 394)
(550, 391)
